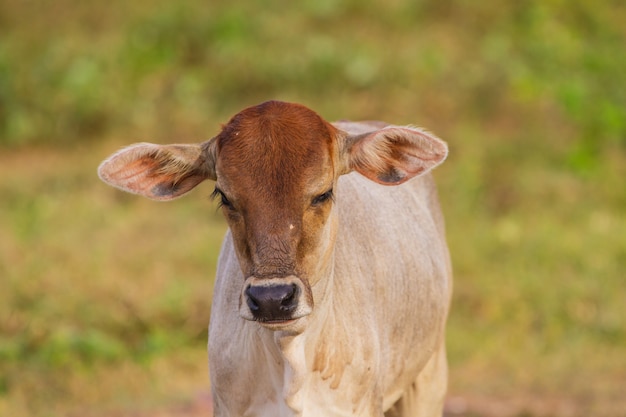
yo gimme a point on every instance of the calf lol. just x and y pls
(332, 287)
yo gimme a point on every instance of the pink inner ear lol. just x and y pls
(130, 170)
(146, 176)
(154, 171)
(140, 176)
(137, 168)
(394, 155)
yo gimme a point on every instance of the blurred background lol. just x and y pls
(105, 297)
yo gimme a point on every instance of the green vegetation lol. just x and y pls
(104, 297)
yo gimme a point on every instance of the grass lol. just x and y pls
(541, 260)
(105, 297)
(94, 280)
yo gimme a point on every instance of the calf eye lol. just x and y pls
(224, 202)
(322, 198)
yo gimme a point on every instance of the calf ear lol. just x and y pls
(393, 155)
(159, 172)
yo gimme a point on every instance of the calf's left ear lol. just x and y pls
(159, 172)
(394, 154)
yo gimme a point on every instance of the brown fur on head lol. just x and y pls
(277, 140)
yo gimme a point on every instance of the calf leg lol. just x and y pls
(426, 395)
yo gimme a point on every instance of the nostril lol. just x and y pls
(288, 301)
(252, 302)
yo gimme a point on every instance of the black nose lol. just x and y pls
(272, 302)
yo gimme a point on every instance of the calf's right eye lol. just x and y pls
(224, 202)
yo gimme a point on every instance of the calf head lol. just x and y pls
(275, 168)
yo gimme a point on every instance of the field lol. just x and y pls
(105, 297)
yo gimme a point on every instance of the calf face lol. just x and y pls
(276, 167)
(275, 175)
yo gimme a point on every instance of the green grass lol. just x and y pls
(94, 280)
(539, 283)
(105, 297)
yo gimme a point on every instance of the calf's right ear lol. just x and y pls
(160, 172)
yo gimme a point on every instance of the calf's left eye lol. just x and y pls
(322, 198)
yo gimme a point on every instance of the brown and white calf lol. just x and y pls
(334, 280)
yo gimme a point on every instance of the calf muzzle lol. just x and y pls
(273, 300)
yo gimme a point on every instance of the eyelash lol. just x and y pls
(322, 198)
(223, 200)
